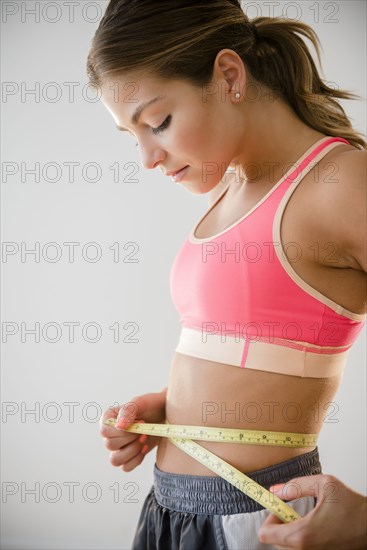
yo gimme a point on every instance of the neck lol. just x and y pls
(270, 137)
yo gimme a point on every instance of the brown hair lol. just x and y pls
(180, 39)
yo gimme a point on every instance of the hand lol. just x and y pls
(338, 521)
(128, 449)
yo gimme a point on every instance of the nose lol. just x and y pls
(152, 154)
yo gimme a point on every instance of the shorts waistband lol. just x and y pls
(215, 495)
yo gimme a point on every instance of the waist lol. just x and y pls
(204, 393)
(212, 494)
(275, 355)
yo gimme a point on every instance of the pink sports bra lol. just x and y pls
(241, 303)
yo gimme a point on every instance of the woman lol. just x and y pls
(271, 280)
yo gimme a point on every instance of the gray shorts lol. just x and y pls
(188, 512)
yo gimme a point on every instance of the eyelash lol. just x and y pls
(163, 126)
(160, 128)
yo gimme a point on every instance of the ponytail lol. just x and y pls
(283, 63)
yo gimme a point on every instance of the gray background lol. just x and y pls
(68, 383)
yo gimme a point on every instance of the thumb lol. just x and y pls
(129, 412)
(298, 487)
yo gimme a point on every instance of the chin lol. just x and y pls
(200, 190)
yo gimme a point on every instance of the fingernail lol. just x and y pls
(121, 423)
(143, 438)
(144, 449)
(276, 488)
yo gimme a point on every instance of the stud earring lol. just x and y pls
(238, 95)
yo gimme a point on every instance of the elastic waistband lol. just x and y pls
(215, 495)
(272, 355)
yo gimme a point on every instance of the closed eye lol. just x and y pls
(160, 128)
(163, 126)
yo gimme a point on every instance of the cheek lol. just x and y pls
(197, 136)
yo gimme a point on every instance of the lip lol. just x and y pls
(177, 176)
(174, 172)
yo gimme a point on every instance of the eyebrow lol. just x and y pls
(138, 111)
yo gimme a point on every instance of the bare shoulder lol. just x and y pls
(339, 204)
(350, 166)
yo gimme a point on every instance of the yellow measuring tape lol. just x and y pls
(181, 436)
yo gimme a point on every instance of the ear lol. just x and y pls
(229, 74)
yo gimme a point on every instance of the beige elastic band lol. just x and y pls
(275, 355)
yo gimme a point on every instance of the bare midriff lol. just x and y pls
(207, 393)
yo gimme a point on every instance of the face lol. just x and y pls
(188, 126)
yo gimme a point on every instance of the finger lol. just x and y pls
(133, 462)
(136, 460)
(110, 412)
(271, 532)
(129, 412)
(108, 430)
(272, 520)
(123, 423)
(121, 456)
(118, 442)
(300, 487)
(147, 447)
